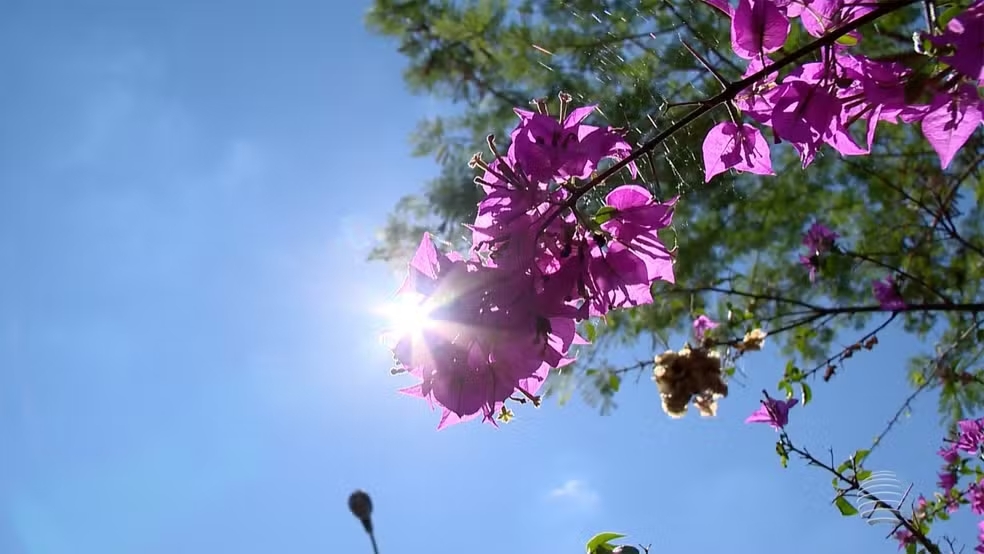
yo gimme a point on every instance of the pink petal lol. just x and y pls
(718, 140)
(951, 121)
(759, 27)
(628, 196)
(578, 115)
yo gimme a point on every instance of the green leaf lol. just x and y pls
(783, 455)
(911, 548)
(605, 214)
(590, 331)
(949, 14)
(601, 539)
(792, 373)
(860, 456)
(845, 507)
(787, 388)
(847, 40)
(614, 382)
(863, 475)
(807, 393)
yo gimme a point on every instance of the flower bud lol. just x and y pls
(361, 507)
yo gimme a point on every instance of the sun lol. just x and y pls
(407, 315)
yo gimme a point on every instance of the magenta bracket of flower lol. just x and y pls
(497, 321)
(816, 103)
(773, 412)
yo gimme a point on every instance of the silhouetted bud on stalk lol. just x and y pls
(361, 506)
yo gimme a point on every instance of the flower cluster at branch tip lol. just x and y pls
(702, 325)
(980, 537)
(774, 412)
(503, 316)
(949, 499)
(818, 240)
(886, 292)
(821, 102)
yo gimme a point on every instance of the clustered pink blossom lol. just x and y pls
(887, 294)
(820, 103)
(969, 440)
(504, 315)
(818, 240)
(980, 537)
(702, 325)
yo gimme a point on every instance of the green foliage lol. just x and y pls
(739, 236)
(783, 454)
(845, 507)
(601, 543)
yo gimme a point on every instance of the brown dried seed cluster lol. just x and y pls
(752, 341)
(690, 375)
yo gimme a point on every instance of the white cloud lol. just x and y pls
(575, 491)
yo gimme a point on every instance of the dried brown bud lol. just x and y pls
(753, 340)
(689, 375)
(361, 507)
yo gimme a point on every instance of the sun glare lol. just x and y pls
(407, 316)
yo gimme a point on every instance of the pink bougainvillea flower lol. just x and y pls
(971, 435)
(886, 292)
(758, 27)
(499, 320)
(905, 538)
(980, 538)
(808, 115)
(757, 100)
(774, 412)
(964, 35)
(702, 325)
(742, 148)
(487, 336)
(949, 455)
(635, 223)
(953, 502)
(636, 212)
(975, 494)
(822, 16)
(819, 238)
(946, 480)
(618, 278)
(951, 120)
(812, 264)
(548, 150)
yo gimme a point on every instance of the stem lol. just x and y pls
(372, 538)
(852, 482)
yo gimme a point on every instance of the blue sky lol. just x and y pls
(188, 355)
